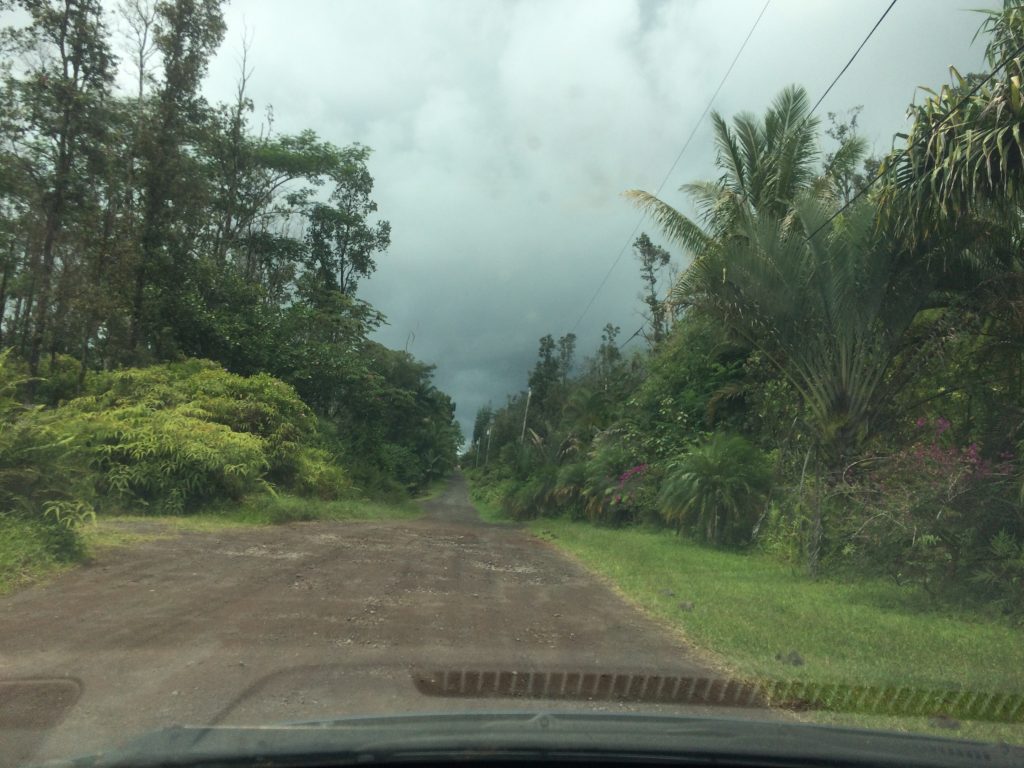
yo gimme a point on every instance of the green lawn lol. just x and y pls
(747, 609)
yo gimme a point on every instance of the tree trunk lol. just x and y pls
(8, 265)
(814, 545)
(84, 358)
(54, 218)
(26, 310)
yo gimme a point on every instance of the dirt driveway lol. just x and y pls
(304, 621)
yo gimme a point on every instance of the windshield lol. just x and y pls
(387, 358)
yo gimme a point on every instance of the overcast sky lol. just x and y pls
(505, 132)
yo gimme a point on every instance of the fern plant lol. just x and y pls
(1003, 574)
(41, 488)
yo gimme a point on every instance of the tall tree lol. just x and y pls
(187, 33)
(63, 95)
(342, 241)
(653, 258)
(544, 381)
(566, 355)
(765, 164)
(828, 303)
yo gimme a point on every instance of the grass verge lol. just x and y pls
(275, 510)
(748, 609)
(432, 491)
(122, 530)
(32, 550)
(487, 502)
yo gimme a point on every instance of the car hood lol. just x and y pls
(560, 736)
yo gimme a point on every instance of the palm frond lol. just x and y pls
(677, 227)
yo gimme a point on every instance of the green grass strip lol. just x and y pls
(762, 620)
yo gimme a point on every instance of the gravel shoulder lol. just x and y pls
(305, 621)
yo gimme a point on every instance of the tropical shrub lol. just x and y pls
(170, 437)
(165, 461)
(320, 476)
(717, 490)
(533, 497)
(1001, 578)
(928, 512)
(58, 380)
(258, 405)
(569, 490)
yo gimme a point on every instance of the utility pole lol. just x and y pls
(487, 453)
(522, 435)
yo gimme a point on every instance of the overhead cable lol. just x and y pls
(863, 190)
(854, 56)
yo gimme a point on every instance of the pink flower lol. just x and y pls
(921, 421)
(630, 473)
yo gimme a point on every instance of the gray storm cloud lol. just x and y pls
(505, 132)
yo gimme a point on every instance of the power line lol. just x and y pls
(863, 190)
(714, 96)
(668, 175)
(854, 56)
(696, 126)
(636, 333)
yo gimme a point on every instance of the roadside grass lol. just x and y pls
(491, 513)
(29, 553)
(283, 508)
(432, 491)
(747, 609)
(486, 500)
(122, 530)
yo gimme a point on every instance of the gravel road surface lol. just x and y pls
(308, 621)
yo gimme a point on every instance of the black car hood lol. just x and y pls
(542, 736)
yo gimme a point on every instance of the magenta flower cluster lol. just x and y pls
(950, 459)
(630, 474)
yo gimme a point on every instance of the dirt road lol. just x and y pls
(304, 621)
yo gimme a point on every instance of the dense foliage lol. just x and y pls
(142, 231)
(837, 375)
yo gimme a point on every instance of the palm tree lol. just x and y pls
(831, 306)
(588, 410)
(830, 310)
(827, 302)
(965, 146)
(766, 165)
